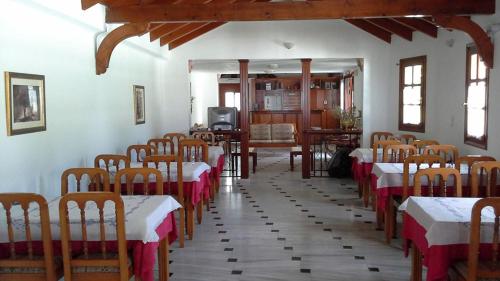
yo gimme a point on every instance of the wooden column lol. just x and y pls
(306, 117)
(244, 126)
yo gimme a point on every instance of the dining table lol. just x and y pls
(362, 164)
(149, 225)
(438, 231)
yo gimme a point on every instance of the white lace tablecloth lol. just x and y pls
(447, 219)
(365, 155)
(143, 214)
(191, 171)
(391, 174)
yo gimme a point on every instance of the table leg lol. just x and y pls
(199, 211)
(291, 161)
(190, 220)
(416, 263)
(182, 228)
(163, 259)
(388, 220)
(254, 162)
(360, 189)
(366, 193)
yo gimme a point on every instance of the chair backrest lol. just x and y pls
(138, 181)
(175, 138)
(166, 160)
(191, 150)
(418, 160)
(80, 216)
(442, 174)
(139, 151)
(381, 144)
(397, 153)
(469, 160)
(95, 179)
(476, 245)
(208, 137)
(421, 144)
(407, 138)
(378, 136)
(163, 146)
(106, 161)
(448, 151)
(488, 170)
(12, 258)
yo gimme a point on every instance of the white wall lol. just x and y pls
(446, 85)
(86, 114)
(205, 90)
(312, 39)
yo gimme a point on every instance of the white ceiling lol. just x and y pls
(275, 66)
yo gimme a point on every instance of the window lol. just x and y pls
(476, 100)
(412, 74)
(232, 99)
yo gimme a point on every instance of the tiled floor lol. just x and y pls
(277, 226)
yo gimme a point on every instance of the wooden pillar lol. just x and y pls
(244, 126)
(306, 117)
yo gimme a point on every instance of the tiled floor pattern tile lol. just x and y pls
(277, 226)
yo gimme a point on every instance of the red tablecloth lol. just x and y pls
(216, 172)
(195, 190)
(144, 254)
(361, 171)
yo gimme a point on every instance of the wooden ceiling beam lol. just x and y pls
(304, 10)
(188, 37)
(371, 28)
(182, 31)
(393, 27)
(114, 38)
(419, 25)
(164, 29)
(483, 42)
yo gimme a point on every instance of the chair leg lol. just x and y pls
(416, 264)
(190, 220)
(163, 259)
(360, 190)
(366, 194)
(182, 228)
(291, 161)
(388, 220)
(199, 211)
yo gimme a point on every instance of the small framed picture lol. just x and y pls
(25, 103)
(328, 85)
(139, 105)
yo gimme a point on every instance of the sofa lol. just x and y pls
(273, 135)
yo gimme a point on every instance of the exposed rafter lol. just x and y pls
(372, 29)
(184, 30)
(164, 29)
(481, 39)
(393, 27)
(190, 36)
(419, 25)
(114, 38)
(324, 9)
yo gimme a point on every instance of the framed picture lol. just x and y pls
(25, 103)
(139, 105)
(328, 85)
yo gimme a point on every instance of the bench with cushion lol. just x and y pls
(273, 135)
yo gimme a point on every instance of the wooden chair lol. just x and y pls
(167, 160)
(395, 201)
(442, 174)
(132, 185)
(397, 153)
(378, 136)
(176, 138)
(106, 161)
(103, 265)
(98, 179)
(137, 149)
(407, 138)
(485, 269)
(469, 160)
(488, 170)
(163, 146)
(17, 265)
(447, 151)
(191, 150)
(366, 186)
(421, 144)
(208, 137)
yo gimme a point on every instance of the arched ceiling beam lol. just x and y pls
(372, 29)
(480, 37)
(114, 38)
(190, 36)
(295, 10)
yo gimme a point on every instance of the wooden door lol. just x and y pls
(229, 95)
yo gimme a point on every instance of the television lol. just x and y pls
(222, 118)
